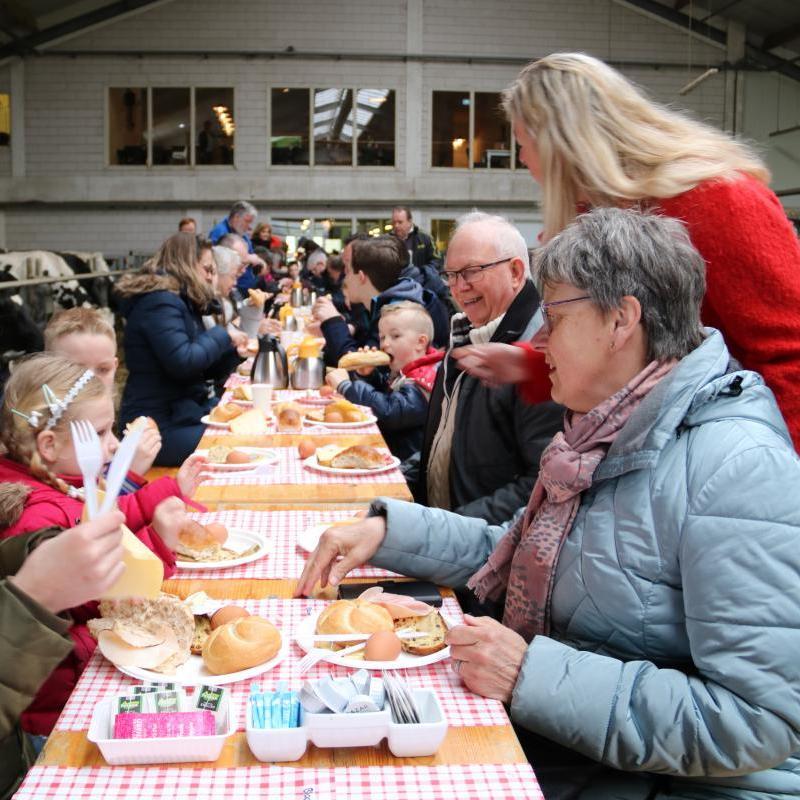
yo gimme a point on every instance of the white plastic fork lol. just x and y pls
(317, 654)
(90, 460)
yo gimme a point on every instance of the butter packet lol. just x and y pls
(214, 699)
(166, 702)
(125, 704)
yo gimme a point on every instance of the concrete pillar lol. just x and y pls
(414, 99)
(734, 79)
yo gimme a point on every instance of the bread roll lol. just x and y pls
(290, 420)
(243, 392)
(195, 536)
(257, 297)
(360, 456)
(226, 412)
(241, 644)
(152, 615)
(140, 424)
(327, 453)
(364, 358)
(432, 625)
(354, 616)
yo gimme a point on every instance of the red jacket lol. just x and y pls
(752, 257)
(46, 507)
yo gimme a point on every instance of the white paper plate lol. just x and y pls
(311, 463)
(260, 456)
(316, 400)
(339, 426)
(309, 538)
(305, 630)
(194, 672)
(212, 423)
(241, 539)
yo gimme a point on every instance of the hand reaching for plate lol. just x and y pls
(340, 550)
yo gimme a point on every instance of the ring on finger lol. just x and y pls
(457, 666)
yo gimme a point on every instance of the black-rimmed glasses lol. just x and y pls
(470, 274)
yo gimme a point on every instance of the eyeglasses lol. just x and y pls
(547, 323)
(470, 274)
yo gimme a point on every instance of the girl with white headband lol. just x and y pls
(40, 487)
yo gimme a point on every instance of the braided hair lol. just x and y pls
(19, 436)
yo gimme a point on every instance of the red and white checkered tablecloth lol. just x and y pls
(281, 529)
(278, 395)
(290, 469)
(462, 781)
(366, 430)
(461, 707)
(235, 379)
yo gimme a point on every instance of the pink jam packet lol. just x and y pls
(153, 726)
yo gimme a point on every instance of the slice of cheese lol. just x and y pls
(243, 392)
(144, 571)
(252, 422)
(327, 453)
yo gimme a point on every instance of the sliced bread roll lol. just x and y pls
(359, 456)
(432, 625)
(327, 453)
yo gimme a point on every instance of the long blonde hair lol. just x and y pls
(178, 257)
(602, 140)
(23, 393)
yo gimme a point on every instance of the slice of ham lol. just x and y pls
(398, 605)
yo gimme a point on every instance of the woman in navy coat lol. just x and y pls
(171, 358)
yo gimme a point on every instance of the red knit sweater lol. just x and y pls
(752, 260)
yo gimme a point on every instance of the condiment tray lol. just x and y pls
(353, 730)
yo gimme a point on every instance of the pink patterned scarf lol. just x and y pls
(523, 562)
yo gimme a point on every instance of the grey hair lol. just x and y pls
(611, 252)
(242, 207)
(507, 239)
(230, 239)
(317, 255)
(227, 260)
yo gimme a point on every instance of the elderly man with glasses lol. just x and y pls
(480, 455)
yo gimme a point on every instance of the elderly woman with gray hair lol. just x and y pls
(650, 638)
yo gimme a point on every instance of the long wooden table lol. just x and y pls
(247, 492)
(474, 761)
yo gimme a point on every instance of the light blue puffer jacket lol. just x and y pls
(675, 646)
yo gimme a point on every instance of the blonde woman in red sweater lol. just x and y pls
(591, 138)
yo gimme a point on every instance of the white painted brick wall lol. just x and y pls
(65, 107)
(532, 28)
(262, 25)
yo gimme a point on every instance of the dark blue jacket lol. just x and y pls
(401, 413)
(338, 340)
(170, 357)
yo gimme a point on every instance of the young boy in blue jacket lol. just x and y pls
(401, 406)
(372, 268)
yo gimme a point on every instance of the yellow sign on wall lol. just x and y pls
(5, 119)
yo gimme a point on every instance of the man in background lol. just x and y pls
(240, 221)
(423, 261)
